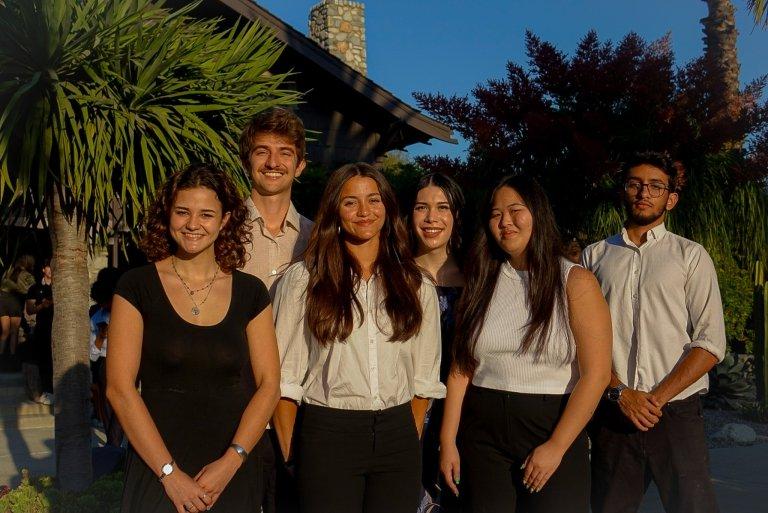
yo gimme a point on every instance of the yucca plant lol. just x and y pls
(99, 101)
(759, 10)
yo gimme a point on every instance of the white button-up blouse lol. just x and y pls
(366, 371)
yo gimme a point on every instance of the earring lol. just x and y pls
(338, 230)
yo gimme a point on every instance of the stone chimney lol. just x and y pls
(339, 27)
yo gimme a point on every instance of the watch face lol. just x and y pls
(167, 468)
(613, 394)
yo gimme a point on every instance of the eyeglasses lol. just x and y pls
(654, 189)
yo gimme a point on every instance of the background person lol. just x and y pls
(39, 302)
(531, 360)
(102, 292)
(358, 333)
(185, 325)
(668, 332)
(13, 291)
(436, 237)
(272, 150)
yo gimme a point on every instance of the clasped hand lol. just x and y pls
(641, 408)
(202, 492)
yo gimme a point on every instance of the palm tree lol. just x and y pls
(759, 9)
(722, 59)
(99, 100)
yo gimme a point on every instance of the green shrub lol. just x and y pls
(737, 293)
(40, 496)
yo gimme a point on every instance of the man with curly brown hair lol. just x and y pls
(272, 150)
(668, 332)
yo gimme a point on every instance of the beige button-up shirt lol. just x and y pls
(366, 371)
(664, 300)
(270, 255)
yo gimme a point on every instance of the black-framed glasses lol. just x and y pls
(654, 189)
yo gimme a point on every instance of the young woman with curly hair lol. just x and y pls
(359, 336)
(185, 326)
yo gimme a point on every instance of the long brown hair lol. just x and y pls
(545, 292)
(334, 273)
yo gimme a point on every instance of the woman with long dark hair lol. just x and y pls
(358, 331)
(531, 360)
(435, 222)
(188, 326)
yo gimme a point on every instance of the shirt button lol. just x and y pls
(273, 272)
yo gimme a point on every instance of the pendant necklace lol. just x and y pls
(191, 292)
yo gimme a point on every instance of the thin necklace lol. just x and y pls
(190, 292)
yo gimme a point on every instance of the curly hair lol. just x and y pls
(230, 245)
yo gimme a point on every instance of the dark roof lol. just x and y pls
(317, 55)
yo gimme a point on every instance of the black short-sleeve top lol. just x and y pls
(181, 357)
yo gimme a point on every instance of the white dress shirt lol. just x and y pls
(365, 371)
(664, 300)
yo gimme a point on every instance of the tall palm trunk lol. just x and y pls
(722, 59)
(71, 374)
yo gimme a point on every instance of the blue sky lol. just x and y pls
(451, 45)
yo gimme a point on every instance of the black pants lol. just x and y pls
(673, 453)
(279, 490)
(498, 430)
(351, 461)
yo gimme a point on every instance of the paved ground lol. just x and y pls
(740, 475)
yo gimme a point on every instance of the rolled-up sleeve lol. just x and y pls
(705, 305)
(293, 340)
(426, 347)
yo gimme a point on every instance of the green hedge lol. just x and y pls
(41, 496)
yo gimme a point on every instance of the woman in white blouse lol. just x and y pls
(359, 336)
(532, 356)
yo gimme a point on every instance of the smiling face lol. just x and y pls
(361, 210)
(432, 219)
(274, 163)
(642, 208)
(510, 222)
(196, 220)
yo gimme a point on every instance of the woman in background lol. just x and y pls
(532, 357)
(13, 292)
(436, 237)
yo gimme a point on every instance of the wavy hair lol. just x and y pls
(546, 288)
(230, 245)
(334, 273)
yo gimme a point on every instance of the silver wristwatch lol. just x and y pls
(167, 470)
(614, 393)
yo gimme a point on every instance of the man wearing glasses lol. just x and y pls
(668, 331)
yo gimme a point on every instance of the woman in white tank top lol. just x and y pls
(531, 361)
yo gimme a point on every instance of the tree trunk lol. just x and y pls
(71, 363)
(722, 59)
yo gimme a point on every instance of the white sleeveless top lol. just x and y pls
(501, 364)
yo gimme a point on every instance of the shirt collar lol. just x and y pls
(655, 233)
(513, 273)
(292, 218)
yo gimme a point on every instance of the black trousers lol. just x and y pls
(498, 430)
(673, 454)
(352, 461)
